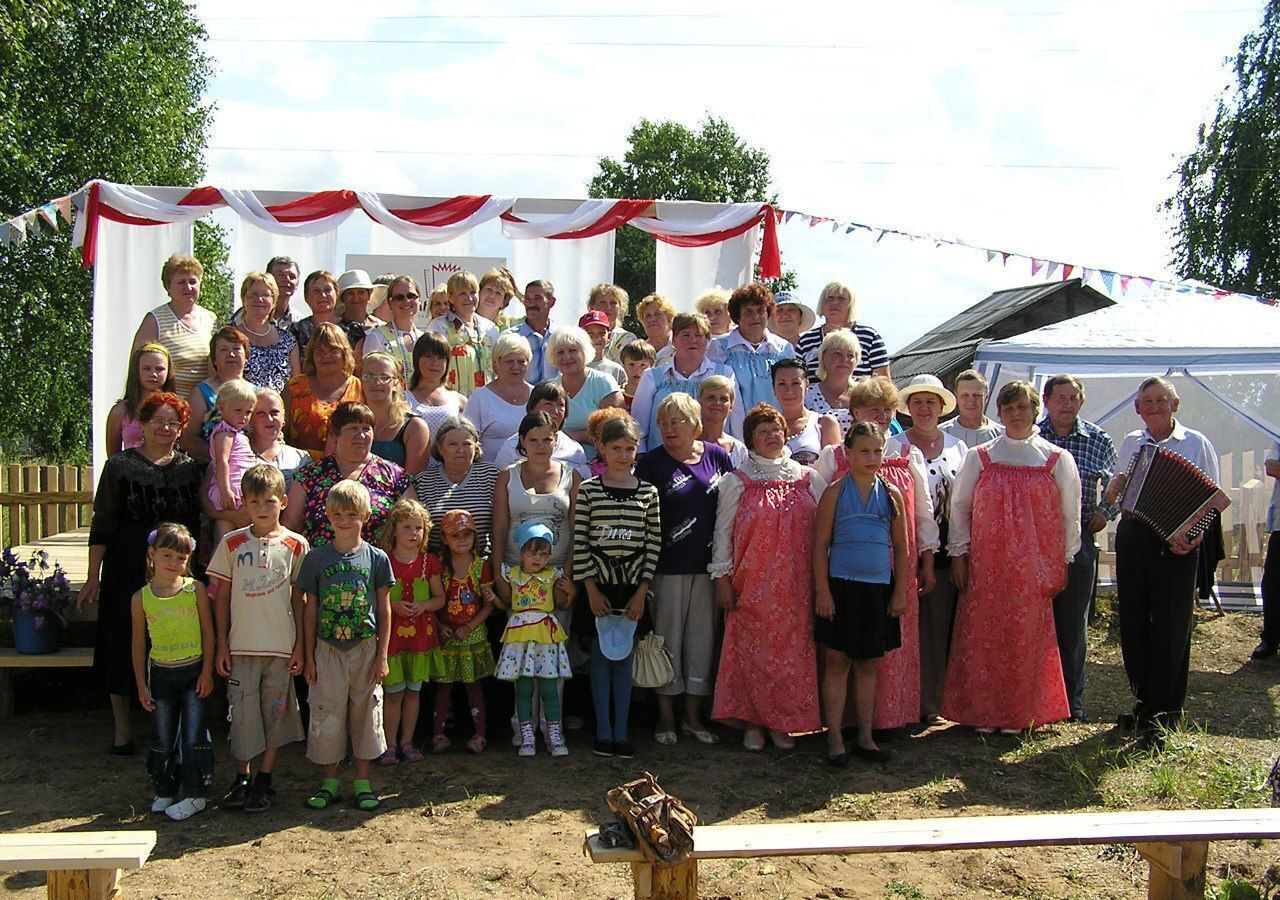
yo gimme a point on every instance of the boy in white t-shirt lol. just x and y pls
(258, 615)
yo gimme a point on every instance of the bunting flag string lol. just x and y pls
(1038, 265)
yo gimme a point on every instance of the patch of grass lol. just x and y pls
(931, 792)
(857, 806)
(904, 889)
(1190, 772)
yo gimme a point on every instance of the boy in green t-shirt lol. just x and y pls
(346, 632)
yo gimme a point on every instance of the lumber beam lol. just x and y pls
(1177, 869)
(84, 884)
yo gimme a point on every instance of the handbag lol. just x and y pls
(660, 824)
(651, 666)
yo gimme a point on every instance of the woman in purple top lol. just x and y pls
(686, 472)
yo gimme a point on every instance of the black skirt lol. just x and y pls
(861, 627)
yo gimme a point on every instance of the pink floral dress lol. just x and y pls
(768, 668)
(898, 671)
(1004, 670)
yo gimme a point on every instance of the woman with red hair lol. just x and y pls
(138, 490)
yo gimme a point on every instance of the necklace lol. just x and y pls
(263, 333)
(763, 472)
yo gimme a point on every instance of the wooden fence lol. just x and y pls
(39, 500)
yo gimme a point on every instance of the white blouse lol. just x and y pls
(782, 469)
(1032, 451)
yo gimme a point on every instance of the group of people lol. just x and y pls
(355, 507)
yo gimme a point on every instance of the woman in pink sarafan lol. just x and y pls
(1015, 524)
(761, 564)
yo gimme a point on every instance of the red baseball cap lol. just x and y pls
(595, 317)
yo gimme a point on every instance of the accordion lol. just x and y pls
(1170, 493)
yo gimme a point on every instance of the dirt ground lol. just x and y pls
(463, 826)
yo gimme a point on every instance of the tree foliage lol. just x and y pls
(669, 161)
(92, 89)
(1227, 204)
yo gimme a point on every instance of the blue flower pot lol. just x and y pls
(36, 633)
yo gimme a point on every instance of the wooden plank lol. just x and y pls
(14, 485)
(86, 486)
(49, 511)
(1176, 870)
(70, 549)
(31, 514)
(44, 498)
(967, 833)
(62, 658)
(28, 851)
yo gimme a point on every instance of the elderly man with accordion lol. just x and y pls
(1168, 493)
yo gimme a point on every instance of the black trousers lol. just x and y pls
(1271, 590)
(1156, 592)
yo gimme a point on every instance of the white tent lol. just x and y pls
(1223, 355)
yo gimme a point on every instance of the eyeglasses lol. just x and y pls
(674, 423)
(404, 297)
(377, 379)
(166, 423)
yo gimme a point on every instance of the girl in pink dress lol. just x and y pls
(765, 516)
(1015, 525)
(229, 448)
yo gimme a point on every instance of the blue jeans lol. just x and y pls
(181, 749)
(610, 679)
(1071, 619)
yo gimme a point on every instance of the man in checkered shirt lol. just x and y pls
(1095, 456)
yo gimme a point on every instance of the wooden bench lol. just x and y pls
(71, 550)
(81, 865)
(1174, 843)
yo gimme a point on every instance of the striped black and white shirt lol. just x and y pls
(617, 533)
(474, 493)
(873, 355)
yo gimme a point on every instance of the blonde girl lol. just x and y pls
(176, 675)
(413, 656)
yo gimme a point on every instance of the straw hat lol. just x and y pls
(807, 316)
(926, 384)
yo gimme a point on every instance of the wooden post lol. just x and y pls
(49, 512)
(1176, 869)
(15, 523)
(84, 884)
(665, 883)
(31, 485)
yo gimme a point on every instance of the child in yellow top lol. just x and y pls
(176, 677)
(533, 643)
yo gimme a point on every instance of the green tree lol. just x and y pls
(1227, 204)
(669, 161)
(93, 89)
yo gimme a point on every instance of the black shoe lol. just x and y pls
(603, 748)
(623, 750)
(1264, 650)
(237, 796)
(838, 760)
(259, 799)
(1127, 721)
(876, 756)
(125, 749)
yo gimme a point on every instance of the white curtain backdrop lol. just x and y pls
(572, 267)
(126, 285)
(252, 248)
(684, 273)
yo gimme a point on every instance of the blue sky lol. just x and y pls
(1046, 127)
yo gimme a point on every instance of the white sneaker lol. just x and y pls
(555, 740)
(185, 809)
(527, 746)
(160, 804)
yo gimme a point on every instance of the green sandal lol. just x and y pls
(367, 801)
(323, 799)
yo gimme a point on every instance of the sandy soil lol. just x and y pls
(457, 825)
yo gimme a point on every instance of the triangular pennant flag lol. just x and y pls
(64, 206)
(1086, 274)
(1036, 266)
(786, 216)
(849, 229)
(32, 219)
(835, 226)
(1053, 267)
(880, 235)
(991, 255)
(1124, 283)
(1004, 258)
(49, 213)
(1149, 282)
(1108, 279)
(19, 229)
(1066, 271)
